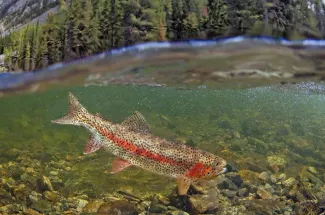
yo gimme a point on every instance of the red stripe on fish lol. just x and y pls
(130, 147)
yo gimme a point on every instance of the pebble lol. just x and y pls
(170, 207)
(242, 192)
(203, 203)
(34, 196)
(264, 176)
(312, 170)
(264, 194)
(81, 203)
(273, 179)
(229, 193)
(226, 183)
(178, 213)
(163, 200)
(159, 208)
(282, 177)
(235, 178)
(118, 207)
(269, 188)
(42, 206)
(43, 183)
(290, 182)
(248, 175)
(31, 212)
(68, 169)
(92, 207)
(52, 196)
(30, 170)
(54, 173)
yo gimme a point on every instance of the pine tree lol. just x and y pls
(104, 26)
(35, 45)
(116, 28)
(27, 57)
(75, 25)
(217, 21)
(8, 57)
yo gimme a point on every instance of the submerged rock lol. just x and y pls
(248, 175)
(178, 212)
(42, 206)
(264, 176)
(21, 192)
(273, 179)
(276, 162)
(118, 207)
(264, 194)
(93, 206)
(226, 183)
(34, 197)
(163, 200)
(52, 196)
(282, 177)
(290, 182)
(158, 208)
(43, 183)
(11, 209)
(30, 211)
(235, 178)
(233, 210)
(229, 193)
(312, 170)
(203, 203)
(242, 192)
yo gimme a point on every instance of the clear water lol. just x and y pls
(249, 127)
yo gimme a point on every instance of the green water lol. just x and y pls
(245, 127)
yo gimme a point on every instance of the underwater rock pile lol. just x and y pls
(29, 188)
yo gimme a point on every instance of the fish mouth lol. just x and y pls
(222, 171)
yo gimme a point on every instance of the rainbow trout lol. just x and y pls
(134, 145)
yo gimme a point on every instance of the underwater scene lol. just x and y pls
(263, 148)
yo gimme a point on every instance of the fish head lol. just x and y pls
(208, 169)
(215, 168)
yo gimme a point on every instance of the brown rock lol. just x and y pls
(264, 176)
(248, 176)
(31, 212)
(118, 207)
(263, 193)
(203, 203)
(93, 206)
(43, 183)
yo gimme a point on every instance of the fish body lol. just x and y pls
(133, 144)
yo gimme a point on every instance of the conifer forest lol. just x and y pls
(84, 27)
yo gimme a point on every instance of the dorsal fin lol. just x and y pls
(99, 115)
(136, 122)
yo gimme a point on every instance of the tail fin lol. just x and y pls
(75, 111)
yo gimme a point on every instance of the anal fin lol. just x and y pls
(93, 145)
(119, 164)
(183, 184)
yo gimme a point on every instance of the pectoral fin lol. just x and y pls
(119, 165)
(93, 145)
(183, 184)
